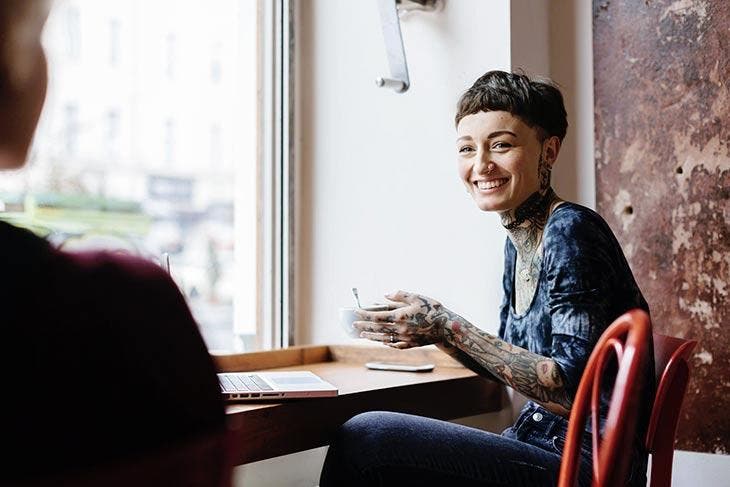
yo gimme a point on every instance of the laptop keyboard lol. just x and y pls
(238, 383)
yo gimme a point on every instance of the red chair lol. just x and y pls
(629, 338)
(671, 356)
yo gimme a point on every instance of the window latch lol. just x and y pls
(390, 19)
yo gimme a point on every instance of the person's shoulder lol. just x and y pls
(574, 221)
(119, 272)
(576, 233)
(17, 242)
(120, 265)
(27, 262)
(121, 289)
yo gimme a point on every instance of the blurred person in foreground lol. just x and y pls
(102, 359)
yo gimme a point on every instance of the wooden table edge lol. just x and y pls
(277, 429)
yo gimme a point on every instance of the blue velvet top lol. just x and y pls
(585, 283)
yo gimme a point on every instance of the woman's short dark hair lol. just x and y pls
(537, 101)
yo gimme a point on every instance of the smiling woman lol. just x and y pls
(565, 280)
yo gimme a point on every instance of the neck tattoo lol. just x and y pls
(534, 209)
(527, 237)
(533, 212)
(525, 227)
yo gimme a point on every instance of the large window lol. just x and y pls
(156, 139)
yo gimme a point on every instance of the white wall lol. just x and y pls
(571, 66)
(530, 36)
(700, 469)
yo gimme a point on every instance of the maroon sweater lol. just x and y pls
(101, 358)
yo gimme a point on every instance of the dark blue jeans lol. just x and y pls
(384, 448)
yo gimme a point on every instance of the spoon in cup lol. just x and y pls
(357, 298)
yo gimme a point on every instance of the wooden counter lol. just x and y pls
(265, 430)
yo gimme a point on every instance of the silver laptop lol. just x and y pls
(261, 386)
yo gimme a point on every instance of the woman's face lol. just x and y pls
(499, 156)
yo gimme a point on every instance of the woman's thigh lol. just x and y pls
(384, 448)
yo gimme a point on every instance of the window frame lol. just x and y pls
(277, 178)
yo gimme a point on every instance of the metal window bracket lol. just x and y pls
(389, 17)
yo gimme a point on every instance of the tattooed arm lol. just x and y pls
(425, 321)
(466, 360)
(533, 375)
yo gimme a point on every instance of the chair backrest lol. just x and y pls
(671, 359)
(629, 339)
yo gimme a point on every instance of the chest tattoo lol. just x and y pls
(525, 227)
(527, 274)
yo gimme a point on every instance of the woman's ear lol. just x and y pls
(550, 149)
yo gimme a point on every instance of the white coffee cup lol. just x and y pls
(348, 317)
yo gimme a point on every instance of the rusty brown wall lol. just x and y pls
(661, 70)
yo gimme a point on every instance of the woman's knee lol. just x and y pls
(354, 449)
(370, 429)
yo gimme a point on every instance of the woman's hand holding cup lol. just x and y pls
(349, 316)
(413, 321)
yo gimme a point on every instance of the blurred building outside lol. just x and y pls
(147, 144)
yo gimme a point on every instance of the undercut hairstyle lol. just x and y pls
(537, 101)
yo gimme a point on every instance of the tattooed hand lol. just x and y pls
(416, 321)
